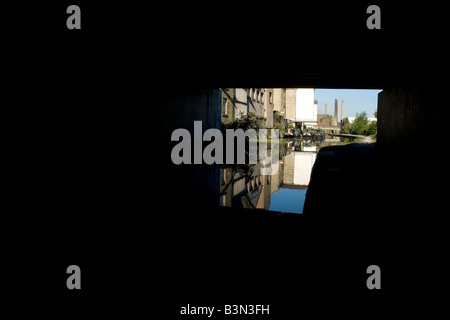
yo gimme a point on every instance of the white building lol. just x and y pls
(305, 110)
(351, 119)
(301, 106)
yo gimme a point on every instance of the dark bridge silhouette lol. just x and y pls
(93, 182)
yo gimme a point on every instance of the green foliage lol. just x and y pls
(347, 141)
(372, 128)
(250, 121)
(279, 123)
(362, 126)
(359, 125)
(346, 128)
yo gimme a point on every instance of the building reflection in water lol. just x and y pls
(243, 185)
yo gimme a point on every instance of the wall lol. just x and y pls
(403, 114)
(268, 107)
(411, 141)
(169, 110)
(279, 100)
(255, 103)
(291, 103)
(241, 103)
(326, 120)
(305, 110)
(229, 95)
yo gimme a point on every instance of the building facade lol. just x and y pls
(228, 105)
(237, 103)
(279, 100)
(301, 108)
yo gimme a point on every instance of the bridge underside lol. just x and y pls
(159, 79)
(97, 186)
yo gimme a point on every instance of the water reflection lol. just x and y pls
(244, 186)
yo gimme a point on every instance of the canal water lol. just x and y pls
(244, 186)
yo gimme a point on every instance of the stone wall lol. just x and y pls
(241, 101)
(268, 107)
(291, 103)
(255, 104)
(228, 116)
(279, 100)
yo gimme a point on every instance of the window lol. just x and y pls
(270, 98)
(224, 105)
(257, 95)
(262, 96)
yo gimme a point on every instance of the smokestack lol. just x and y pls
(335, 108)
(325, 109)
(342, 111)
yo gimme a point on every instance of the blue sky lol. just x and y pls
(355, 101)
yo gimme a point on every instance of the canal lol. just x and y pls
(244, 186)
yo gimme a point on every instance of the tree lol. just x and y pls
(372, 128)
(346, 128)
(360, 124)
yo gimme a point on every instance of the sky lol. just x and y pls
(355, 101)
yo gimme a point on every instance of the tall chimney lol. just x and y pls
(325, 109)
(342, 111)
(335, 108)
